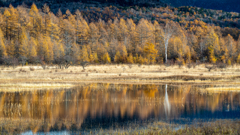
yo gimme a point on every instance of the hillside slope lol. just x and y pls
(226, 5)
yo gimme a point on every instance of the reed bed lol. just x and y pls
(217, 127)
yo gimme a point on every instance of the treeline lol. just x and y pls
(30, 36)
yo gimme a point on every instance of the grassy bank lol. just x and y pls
(37, 126)
(120, 72)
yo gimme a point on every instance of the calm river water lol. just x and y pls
(103, 106)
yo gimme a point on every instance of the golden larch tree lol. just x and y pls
(3, 52)
(23, 48)
(150, 53)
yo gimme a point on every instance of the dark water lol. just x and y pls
(106, 106)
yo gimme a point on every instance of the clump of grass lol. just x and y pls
(31, 69)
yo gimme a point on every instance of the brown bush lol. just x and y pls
(31, 69)
(222, 66)
(190, 65)
(210, 67)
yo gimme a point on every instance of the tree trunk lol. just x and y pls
(166, 47)
(165, 54)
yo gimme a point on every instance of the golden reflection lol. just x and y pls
(46, 110)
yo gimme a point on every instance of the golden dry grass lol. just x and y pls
(18, 126)
(12, 87)
(120, 74)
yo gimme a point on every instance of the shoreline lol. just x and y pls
(121, 74)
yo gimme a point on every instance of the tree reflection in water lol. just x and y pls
(167, 106)
(105, 105)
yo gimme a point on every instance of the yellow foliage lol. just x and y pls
(106, 58)
(95, 57)
(150, 52)
(121, 54)
(180, 61)
(32, 50)
(140, 60)
(130, 59)
(11, 49)
(76, 53)
(91, 58)
(238, 59)
(212, 57)
(2, 46)
(32, 34)
(49, 50)
(224, 57)
(23, 47)
(117, 57)
(160, 60)
(146, 61)
(34, 10)
(6, 13)
(188, 55)
(229, 62)
(84, 54)
(212, 42)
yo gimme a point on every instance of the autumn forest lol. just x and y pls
(38, 36)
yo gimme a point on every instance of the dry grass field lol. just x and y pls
(117, 74)
(18, 126)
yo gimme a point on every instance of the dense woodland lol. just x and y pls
(32, 36)
(226, 5)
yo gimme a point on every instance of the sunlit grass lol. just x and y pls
(219, 89)
(32, 86)
(115, 73)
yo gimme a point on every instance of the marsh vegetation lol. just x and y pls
(128, 73)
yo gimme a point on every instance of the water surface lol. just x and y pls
(112, 106)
